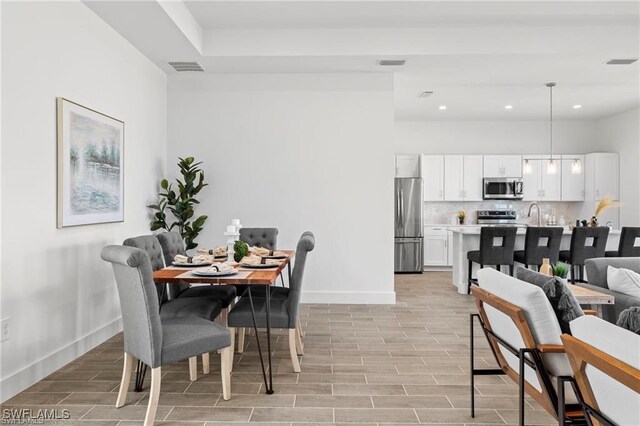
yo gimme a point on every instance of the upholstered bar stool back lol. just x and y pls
(627, 246)
(260, 237)
(540, 243)
(496, 248)
(586, 243)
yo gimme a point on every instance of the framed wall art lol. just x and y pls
(90, 166)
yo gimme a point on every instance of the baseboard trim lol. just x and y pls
(31, 374)
(349, 297)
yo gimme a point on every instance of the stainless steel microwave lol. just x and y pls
(502, 189)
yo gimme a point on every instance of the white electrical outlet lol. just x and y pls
(4, 329)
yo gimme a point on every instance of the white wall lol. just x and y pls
(621, 133)
(60, 296)
(297, 152)
(494, 137)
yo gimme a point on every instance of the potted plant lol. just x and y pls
(181, 203)
(461, 216)
(561, 270)
(240, 250)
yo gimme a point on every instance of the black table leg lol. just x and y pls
(268, 306)
(255, 329)
(140, 373)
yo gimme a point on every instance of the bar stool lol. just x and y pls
(579, 251)
(534, 252)
(496, 248)
(627, 245)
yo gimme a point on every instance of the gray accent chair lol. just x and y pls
(579, 250)
(491, 253)
(155, 340)
(172, 245)
(260, 237)
(202, 307)
(284, 311)
(627, 245)
(597, 275)
(534, 252)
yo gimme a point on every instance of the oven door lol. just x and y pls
(502, 189)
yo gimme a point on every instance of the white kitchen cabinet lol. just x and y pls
(433, 177)
(436, 246)
(606, 175)
(540, 185)
(496, 166)
(572, 183)
(449, 247)
(407, 166)
(463, 177)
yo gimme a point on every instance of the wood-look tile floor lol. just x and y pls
(404, 364)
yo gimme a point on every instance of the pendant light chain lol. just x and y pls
(551, 166)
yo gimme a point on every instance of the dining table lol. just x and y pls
(249, 276)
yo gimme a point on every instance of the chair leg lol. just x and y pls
(292, 350)
(232, 332)
(193, 368)
(226, 359)
(299, 325)
(205, 363)
(511, 269)
(154, 394)
(573, 274)
(299, 344)
(240, 340)
(469, 277)
(126, 377)
(499, 268)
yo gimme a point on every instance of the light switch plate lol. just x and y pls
(4, 329)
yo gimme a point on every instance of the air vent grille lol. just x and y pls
(621, 61)
(391, 62)
(425, 94)
(186, 66)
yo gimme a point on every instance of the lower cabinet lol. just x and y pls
(437, 246)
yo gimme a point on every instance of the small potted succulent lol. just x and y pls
(461, 216)
(240, 250)
(561, 270)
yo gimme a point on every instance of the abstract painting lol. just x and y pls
(90, 166)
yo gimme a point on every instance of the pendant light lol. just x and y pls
(551, 166)
(576, 167)
(527, 168)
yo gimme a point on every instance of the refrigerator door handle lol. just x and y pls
(401, 203)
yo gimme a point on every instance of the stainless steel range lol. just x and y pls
(497, 217)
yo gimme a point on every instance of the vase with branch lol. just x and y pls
(181, 203)
(605, 203)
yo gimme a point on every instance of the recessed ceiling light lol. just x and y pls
(577, 106)
(442, 107)
(508, 107)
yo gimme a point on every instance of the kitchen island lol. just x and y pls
(467, 238)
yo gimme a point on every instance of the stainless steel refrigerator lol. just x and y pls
(408, 225)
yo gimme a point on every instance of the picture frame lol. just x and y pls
(90, 172)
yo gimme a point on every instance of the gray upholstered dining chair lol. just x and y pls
(534, 251)
(284, 311)
(627, 246)
(155, 340)
(203, 307)
(586, 243)
(260, 237)
(491, 253)
(172, 245)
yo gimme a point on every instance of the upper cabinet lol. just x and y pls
(573, 171)
(433, 177)
(497, 166)
(538, 184)
(463, 177)
(407, 166)
(602, 173)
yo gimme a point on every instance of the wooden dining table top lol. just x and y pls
(245, 276)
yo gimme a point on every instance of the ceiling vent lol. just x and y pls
(186, 66)
(425, 94)
(621, 61)
(391, 62)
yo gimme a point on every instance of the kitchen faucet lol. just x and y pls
(538, 208)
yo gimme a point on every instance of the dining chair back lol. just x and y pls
(586, 243)
(628, 237)
(260, 237)
(540, 242)
(306, 244)
(151, 246)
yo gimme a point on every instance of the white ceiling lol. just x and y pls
(477, 56)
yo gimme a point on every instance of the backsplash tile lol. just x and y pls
(445, 213)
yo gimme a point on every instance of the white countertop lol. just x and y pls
(475, 230)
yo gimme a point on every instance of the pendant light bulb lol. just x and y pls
(576, 167)
(551, 167)
(527, 168)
